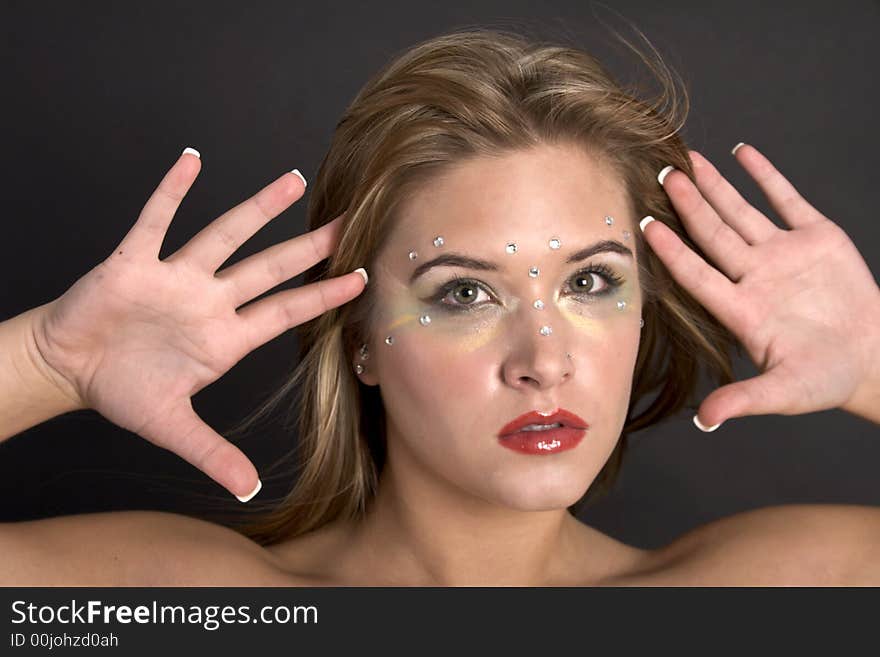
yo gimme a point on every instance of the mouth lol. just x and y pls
(537, 433)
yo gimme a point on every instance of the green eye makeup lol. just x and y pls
(461, 297)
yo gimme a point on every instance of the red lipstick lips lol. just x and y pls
(516, 436)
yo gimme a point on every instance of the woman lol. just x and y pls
(457, 408)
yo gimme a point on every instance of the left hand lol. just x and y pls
(803, 302)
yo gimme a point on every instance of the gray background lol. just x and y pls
(100, 99)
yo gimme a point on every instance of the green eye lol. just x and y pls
(463, 293)
(611, 280)
(585, 278)
(459, 294)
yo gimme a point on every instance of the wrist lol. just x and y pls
(37, 375)
(29, 394)
(865, 401)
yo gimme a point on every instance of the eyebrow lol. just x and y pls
(453, 259)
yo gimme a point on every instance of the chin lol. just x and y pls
(543, 496)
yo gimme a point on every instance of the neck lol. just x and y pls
(419, 531)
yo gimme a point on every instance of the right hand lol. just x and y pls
(136, 336)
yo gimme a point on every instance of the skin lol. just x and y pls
(438, 518)
(454, 506)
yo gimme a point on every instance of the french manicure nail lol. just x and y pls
(191, 150)
(363, 272)
(733, 152)
(256, 490)
(644, 222)
(703, 427)
(663, 173)
(301, 177)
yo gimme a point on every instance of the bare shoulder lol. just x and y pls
(786, 545)
(133, 548)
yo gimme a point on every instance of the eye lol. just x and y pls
(462, 294)
(586, 277)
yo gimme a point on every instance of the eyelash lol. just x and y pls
(612, 281)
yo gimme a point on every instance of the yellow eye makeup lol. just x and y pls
(469, 306)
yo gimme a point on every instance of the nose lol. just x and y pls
(538, 360)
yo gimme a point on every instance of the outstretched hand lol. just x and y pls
(136, 336)
(802, 302)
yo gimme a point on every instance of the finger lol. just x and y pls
(742, 217)
(262, 271)
(270, 317)
(724, 245)
(705, 283)
(213, 245)
(184, 433)
(770, 392)
(148, 232)
(783, 197)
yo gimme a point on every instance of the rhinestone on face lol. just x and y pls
(413, 255)
(533, 272)
(609, 220)
(425, 320)
(545, 330)
(438, 241)
(626, 234)
(359, 368)
(511, 247)
(538, 304)
(555, 243)
(642, 323)
(621, 305)
(389, 340)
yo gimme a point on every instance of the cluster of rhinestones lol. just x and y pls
(511, 248)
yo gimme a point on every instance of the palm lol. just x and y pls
(798, 309)
(148, 337)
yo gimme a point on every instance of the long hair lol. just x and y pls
(468, 94)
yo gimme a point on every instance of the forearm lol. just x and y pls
(28, 396)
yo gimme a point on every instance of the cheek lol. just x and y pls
(430, 365)
(444, 333)
(427, 362)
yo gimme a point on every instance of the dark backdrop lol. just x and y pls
(100, 99)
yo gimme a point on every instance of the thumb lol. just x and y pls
(766, 393)
(183, 432)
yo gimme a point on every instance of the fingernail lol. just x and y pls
(296, 172)
(191, 150)
(703, 427)
(644, 222)
(665, 172)
(256, 490)
(733, 152)
(363, 272)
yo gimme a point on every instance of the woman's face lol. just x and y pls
(449, 385)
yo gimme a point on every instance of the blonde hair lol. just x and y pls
(474, 93)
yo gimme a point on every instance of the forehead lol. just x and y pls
(523, 194)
